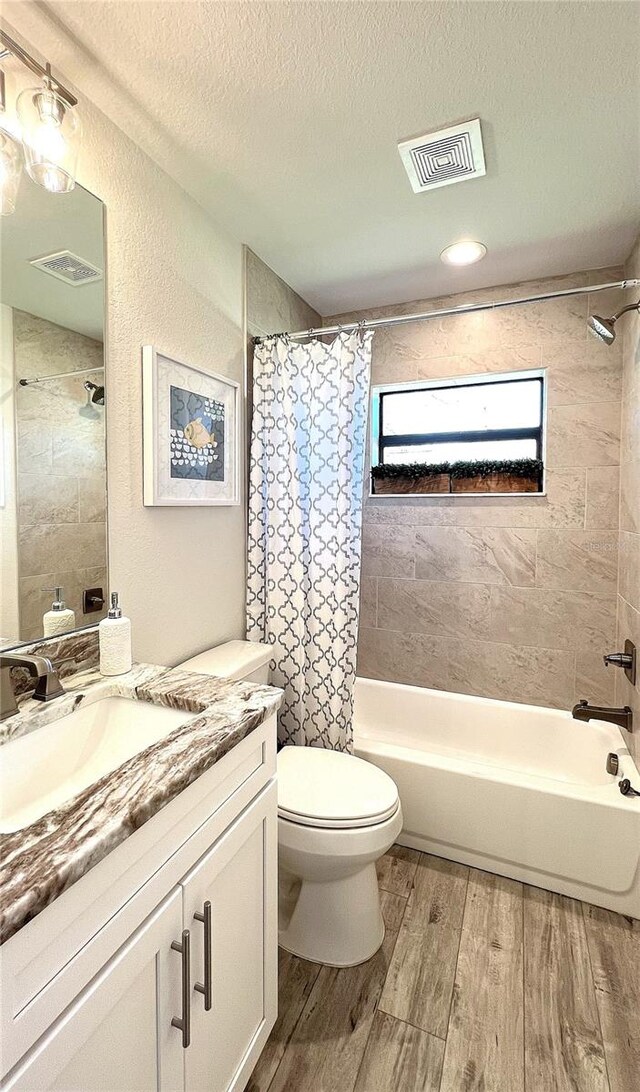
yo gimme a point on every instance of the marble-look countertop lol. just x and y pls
(45, 858)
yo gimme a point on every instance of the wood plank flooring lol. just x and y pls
(482, 984)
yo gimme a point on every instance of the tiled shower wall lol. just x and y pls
(511, 598)
(629, 573)
(61, 471)
(271, 306)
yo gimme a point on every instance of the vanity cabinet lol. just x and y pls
(227, 889)
(118, 1033)
(187, 1002)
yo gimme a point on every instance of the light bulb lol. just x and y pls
(50, 134)
(465, 252)
(9, 174)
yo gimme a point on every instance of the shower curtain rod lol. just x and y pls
(59, 375)
(464, 309)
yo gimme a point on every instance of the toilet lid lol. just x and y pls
(321, 788)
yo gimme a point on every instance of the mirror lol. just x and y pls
(53, 524)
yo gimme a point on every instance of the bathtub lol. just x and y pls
(514, 789)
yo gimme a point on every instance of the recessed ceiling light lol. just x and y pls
(466, 252)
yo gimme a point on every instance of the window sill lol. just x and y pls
(451, 496)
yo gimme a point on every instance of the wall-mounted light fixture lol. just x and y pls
(50, 131)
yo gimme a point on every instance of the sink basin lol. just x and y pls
(50, 765)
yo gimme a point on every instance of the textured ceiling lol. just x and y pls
(283, 118)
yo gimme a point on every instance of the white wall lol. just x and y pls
(174, 279)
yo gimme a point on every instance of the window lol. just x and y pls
(471, 419)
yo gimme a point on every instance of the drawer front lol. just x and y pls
(46, 964)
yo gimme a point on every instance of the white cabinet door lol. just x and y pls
(117, 1035)
(237, 878)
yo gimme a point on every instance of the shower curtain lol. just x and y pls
(305, 508)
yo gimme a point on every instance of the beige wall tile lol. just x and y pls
(630, 445)
(584, 435)
(272, 306)
(629, 577)
(629, 567)
(60, 438)
(472, 668)
(552, 619)
(583, 370)
(35, 445)
(630, 496)
(563, 506)
(527, 651)
(92, 499)
(368, 601)
(78, 450)
(36, 597)
(594, 681)
(482, 555)
(417, 659)
(388, 551)
(626, 694)
(47, 498)
(421, 606)
(535, 676)
(81, 545)
(603, 492)
(578, 560)
(502, 358)
(43, 348)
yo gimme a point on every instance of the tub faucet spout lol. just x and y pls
(622, 717)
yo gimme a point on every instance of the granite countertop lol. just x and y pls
(40, 861)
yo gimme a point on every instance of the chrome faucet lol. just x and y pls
(48, 684)
(622, 717)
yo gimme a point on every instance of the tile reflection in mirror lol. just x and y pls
(53, 522)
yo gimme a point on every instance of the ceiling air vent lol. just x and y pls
(442, 158)
(68, 267)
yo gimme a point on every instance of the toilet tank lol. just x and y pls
(246, 661)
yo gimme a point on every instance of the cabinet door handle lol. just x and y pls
(183, 1023)
(205, 989)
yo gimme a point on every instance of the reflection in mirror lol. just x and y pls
(52, 466)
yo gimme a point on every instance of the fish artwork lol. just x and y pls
(197, 427)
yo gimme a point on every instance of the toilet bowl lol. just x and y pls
(337, 814)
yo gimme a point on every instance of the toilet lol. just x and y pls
(337, 814)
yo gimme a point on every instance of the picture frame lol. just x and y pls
(191, 433)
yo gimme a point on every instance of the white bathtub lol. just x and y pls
(513, 789)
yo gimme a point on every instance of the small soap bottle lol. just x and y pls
(115, 641)
(60, 619)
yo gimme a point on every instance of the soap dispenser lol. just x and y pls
(60, 619)
(115, 640)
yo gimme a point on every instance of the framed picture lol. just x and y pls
(191, 435)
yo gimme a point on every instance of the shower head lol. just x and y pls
(604, 328)
(97, 393)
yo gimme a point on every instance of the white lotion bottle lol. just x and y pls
(60, 619)
(115, 641)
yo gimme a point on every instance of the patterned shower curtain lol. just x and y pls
(305, 508)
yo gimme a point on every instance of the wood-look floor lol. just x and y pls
(482, 985)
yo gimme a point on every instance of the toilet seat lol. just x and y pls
(333, 790)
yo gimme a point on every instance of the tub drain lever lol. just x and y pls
(627, 789)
